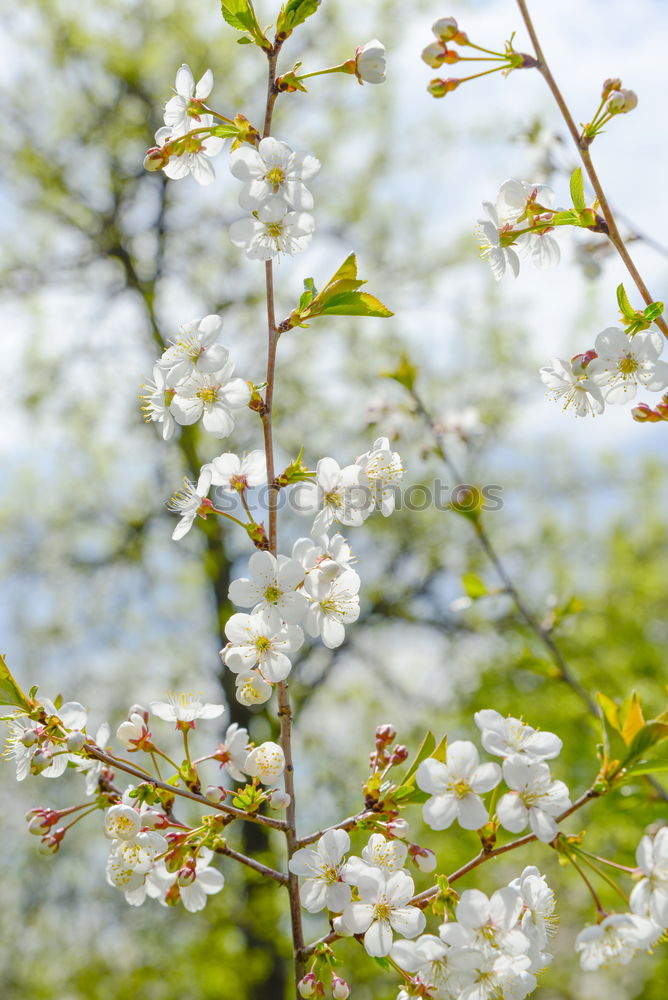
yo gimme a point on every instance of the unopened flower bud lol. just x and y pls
(399, 754)
(385, 734)
(38, 825)
(621, 102)
(580, 361)
(397, 827)
(40, 761)
(154, 820)
(187, 875)
(215, 794)
(340, 988)
(610, 85)
(51, 844)
(423, 858)
(156, 157)
(279, 799)
(643, 414)
(75, 741)
(439, 88)
(28, 738)
(307, 985)
(445, 28)
(434, 54)
(138, 710)
(370, 62)
(341, 928)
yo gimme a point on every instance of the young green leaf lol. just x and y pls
(292, 14)
(10, 692)
(625, 307)
(473, 586)
(354, 304)
(577, 189)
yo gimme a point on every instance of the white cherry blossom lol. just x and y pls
(336, 494)
(384, 907)
(261, 640)
(190, 502)
(271, 586)
(384, 471)
(193, 883)
(535, 798)
(456, 786)
(133, 731)
(624, 363)
(195, 350)
(493, 921)
(234, 474)
(211, 396)
(195, 152)
(252, 688)
(514, 196)
(505, 737)
(498, 256)
(322, 868)
(185, 708)
(334, 603)
(273, 169)
(273, 229)
(649, 897)
(157, 401)
(182, 110)
(266, 762)
(311, 554)
(616, 940)
(573, 387)
(90, 767)
(231, 754)
(121, 822)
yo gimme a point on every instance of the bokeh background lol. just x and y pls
(101, 262)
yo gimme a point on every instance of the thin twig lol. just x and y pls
(255, 865)
(345, 824)
(583, 149)
(184, 793)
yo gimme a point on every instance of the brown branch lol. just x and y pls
(255, 865)
(345, 824)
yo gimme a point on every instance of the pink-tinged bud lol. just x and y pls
(340, 988)
(579, 362)
(307, 985)
(397, 827)
(138, 710)
(75, 741)
(279, 799)
(439, 88)
(644, 414)
(154, 820)
(399, 754)
(187, 875)
(385, 734)
(157, 157)
(422, 858)
(609, 86)
(38, 825)
(621, 102)
(51, 844)
(370, 62)
(215, 794)
(445, 28)
(434, 54)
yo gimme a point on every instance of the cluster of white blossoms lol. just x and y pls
(194, 380)
(185, 145)
(517, 225)
(493, 949)
(610, 373)
(275, 194)
(457, 784)
(619, 937)
(315, 589)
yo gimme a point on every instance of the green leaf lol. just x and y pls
(294, 13)
(226, 129)
(425, 750)
(647, 767)
(308, 294)
(244, 40)
(577, 189)
(383, 963)
(625, 307)
(648, 736)
(10, 692)
(473, 586)
(355, 304)
(347, 270)
(239, 14)
(610, 710)
(653, 311)
(405, 373)
(634, 719)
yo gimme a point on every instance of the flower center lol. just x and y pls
(272, 594)
(208, 394)
(262, 643)
(628, 365)
(460, 788)
(275, 176)
(274, 229)
(381, 911)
